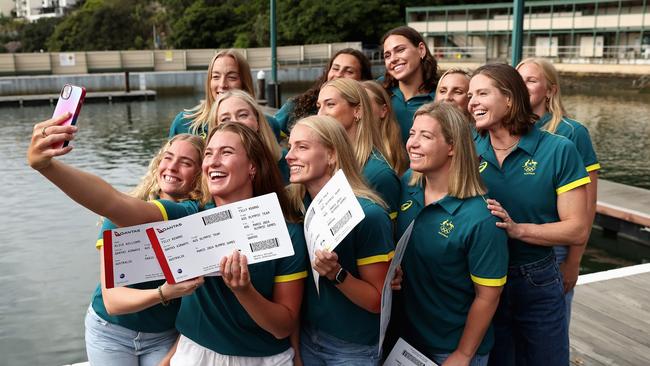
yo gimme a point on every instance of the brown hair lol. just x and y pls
(429, 63)
(520, 117)
(305, 103)
(464, 176)
(267, 177)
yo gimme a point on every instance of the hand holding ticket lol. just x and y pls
(194, 245)
(331, 216)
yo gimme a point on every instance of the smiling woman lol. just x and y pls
(411, 74)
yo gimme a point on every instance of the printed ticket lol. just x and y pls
(387, 291)
(129, 257)
(194, 245)
(403, 354)
(330, 217)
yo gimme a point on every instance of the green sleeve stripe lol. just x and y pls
(290, 277)
(593, 167)
(99, 244)
(376, 259)
(492, 282)
(162, 209)
(393, 215)
(572, 185)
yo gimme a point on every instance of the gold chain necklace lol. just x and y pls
(506, 148)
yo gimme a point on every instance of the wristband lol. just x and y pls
(163, 301)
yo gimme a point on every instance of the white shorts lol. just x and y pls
(189, 353)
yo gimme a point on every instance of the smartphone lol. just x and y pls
(70, 100)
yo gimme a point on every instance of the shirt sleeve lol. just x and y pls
(488, 253)
(277, 131)
(373, 237)
(294, 267)
(106, 225)
(171, 210)
(570, 169)
(175, 127)
(386, 183)
(586, 148)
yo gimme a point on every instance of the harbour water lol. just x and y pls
(49, 266)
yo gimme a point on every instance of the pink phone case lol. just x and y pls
(70, 100)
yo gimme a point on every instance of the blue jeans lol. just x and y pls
(112, 344)
(560, 255)
(321, 349)
(477, 360)
(530, 326)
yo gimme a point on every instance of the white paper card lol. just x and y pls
(387, 292)
(330, 217)
(194, 245)
(403, 354)
(129, 257)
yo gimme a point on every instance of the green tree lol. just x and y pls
(205, 24)
(104, 25)
(34, 35)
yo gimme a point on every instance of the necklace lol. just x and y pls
(506, 148)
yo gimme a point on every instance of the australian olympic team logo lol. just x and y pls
(406, 205)
(482, 166)
(529, 167)
(445, 228)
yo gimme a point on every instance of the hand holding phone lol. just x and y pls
(70, 101)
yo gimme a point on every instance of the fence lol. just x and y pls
(59, 63)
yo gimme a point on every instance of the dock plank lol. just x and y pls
(610, 323)
(623, 202)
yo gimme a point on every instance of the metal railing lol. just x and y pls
(159, 60)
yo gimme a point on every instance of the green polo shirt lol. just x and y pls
(213, 317)
(454, 245)
(332, 312)
(157, 318)
(383, 180)
(578, 134)
(541, 167)
(405, 109)
(181, 124)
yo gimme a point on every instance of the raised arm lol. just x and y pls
(84, 188)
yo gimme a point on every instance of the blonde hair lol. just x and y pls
(332, 135)
(264, 129)
(367, 136)
(148, 188)
(200, 113)
(554, 102)
(390, 135)
(464, 176)
(454, 70)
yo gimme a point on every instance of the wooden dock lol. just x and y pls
(91, 97)
(624, 209)
(610, 323)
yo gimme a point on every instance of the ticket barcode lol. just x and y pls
(339, 224)
(264, 244)
(412, 358)
(217, 217)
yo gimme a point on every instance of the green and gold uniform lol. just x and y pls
(578, 134)
(213, 317)
(332, 312)
(157, 318)
(454, 245)
(541, 167)
(405, 109)
(383, 180)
